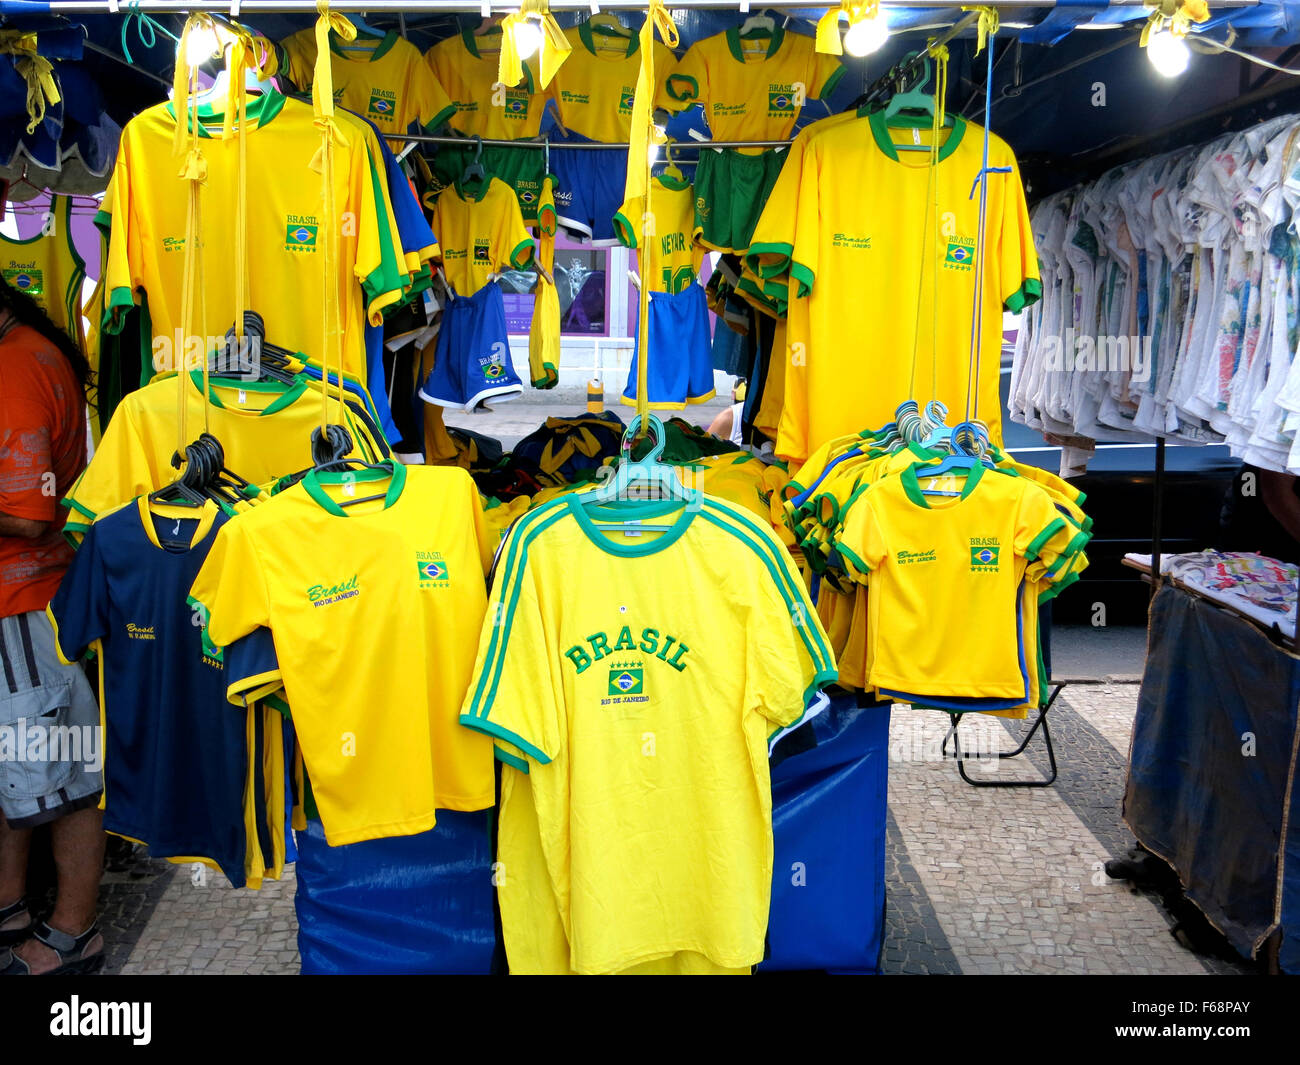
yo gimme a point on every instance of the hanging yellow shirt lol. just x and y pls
(752, 89)
(48, 268)
(877, 266)
(481, 232)
(674, 256)
(467, 67)
(144, 214)
(386, 80)
(593, 90)
(643, 708)
(264, 429)
(404, 574)
(943, 568)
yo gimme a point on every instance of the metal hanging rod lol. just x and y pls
(902, 71)
(543, 145)
(467, 6)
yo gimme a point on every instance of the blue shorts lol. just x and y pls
(589, 187)
(473, 356)
(680, 370)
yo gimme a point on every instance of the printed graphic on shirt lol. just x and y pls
(300, 232)
(322, 595)
(983, 553)
(383, 105)
(960, 254)
(26, 278)
(432, 569)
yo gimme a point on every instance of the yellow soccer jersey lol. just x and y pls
(48, 268)
(593, 90)
(264, 428)
(404, 573)
(940, 567)
(467, 67)
(144, 213)
(384, 79)
(754, 89)
(675, 257)
(883, 269)
(644, 709)
(481, 232)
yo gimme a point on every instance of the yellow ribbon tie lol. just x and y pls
(986, 27)
(185, 80)
(554, 51)
(322, 88)
(36, 70)
(1179, 14)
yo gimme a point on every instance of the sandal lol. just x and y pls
(70, 949)
(11, 936)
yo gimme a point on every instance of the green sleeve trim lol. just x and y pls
(522, 254)
(783, 252)
(623, 230)
(804, 277)
(514, 761)
(832, 81)
(1036, 545)
(80, 508)
(103, 220)
(119, 299)
(852, 558)
(440, 118)
(483, 724)
(1030, 292)
(690, 92)
(1052, 591)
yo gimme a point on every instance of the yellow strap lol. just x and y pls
(986, 27)
(322, 94)
(1179, 14)
(36, 70)
(555, 45)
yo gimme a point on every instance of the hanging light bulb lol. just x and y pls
(201, 45)
(1168, 54)
(528, 37)
(866, 35)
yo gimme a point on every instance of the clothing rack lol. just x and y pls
(904, 70)
(234, 7)
(544, 144)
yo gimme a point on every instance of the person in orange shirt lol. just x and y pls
(43, 377)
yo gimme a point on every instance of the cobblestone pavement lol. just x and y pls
(978, 880)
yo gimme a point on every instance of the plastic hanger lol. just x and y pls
(641, 480)
(916, 101)
(331, 451)
(757, 26)
(366, 35)
(474, 169)
(606, 23)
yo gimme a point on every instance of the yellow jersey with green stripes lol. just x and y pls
(467, 66)
(641, 711)
(48, 268)
(481, 232)
(753, 88)
(385, 79)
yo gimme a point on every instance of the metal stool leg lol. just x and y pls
(1047, 738)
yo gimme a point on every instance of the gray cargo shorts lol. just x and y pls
(51, 745)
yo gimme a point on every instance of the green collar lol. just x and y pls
(885, 142)
(471, 42)
(913, 488)
(315, 479)
(380, 50)
(260, 110)
(587, 36)
(676, 184)
(627, 510)
(287, 396)
(475, 191)
(738, 53)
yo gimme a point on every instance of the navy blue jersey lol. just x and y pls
(176, 752)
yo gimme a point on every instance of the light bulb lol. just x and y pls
(200, 46)
(528, 38)
(866, 35)
(1168, 54)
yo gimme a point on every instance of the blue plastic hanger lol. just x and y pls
(641, 480)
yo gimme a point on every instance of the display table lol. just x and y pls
(1212, 782)
(423, 904)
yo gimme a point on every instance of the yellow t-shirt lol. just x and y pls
(402, 576)
(265, 429)
(144, 213)
(481, 232)
(675, 257)
(467, 67)
(752, 89)
(943, 566)
(593, 90)
(877, 266)
(386, 80)
(643, 707)
(48, 268)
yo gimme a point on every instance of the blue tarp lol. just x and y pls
(423, 904)
(1212, 764)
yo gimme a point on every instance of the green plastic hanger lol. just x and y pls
(913, 100)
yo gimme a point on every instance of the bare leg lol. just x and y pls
(79, 856)
(15, 843)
